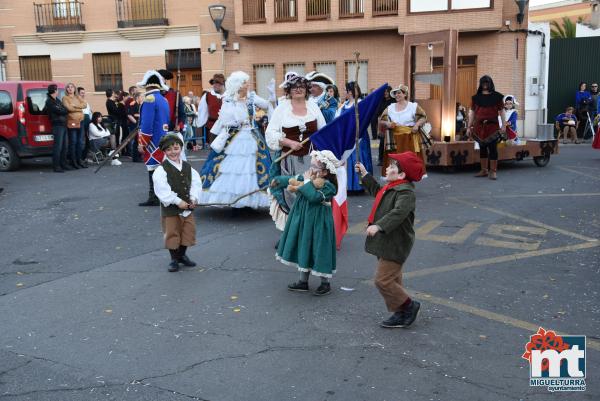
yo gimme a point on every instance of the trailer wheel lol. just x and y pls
(541, 161)
(9, 160)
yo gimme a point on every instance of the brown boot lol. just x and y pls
(484, 168)
(493, 169)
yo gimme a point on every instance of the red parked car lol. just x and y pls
(25, 130)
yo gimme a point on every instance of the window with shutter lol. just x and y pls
(107, 71)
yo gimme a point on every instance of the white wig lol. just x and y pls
(157, 77)
(234, 82)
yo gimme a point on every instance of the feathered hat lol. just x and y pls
(153, 78)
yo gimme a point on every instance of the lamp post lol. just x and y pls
(217, 14)
(522, 4)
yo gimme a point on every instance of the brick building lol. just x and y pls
(111, 43)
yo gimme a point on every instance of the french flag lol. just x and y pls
(339, 136)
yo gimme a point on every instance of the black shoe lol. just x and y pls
(150, 202)
(184, 260)
(65, 167)
(82, 164)
(411, 314)
(75, 166)
(277, 244)
(173, 266)
(324, 289)
(58, 170)
(301, 286)
(403, 318)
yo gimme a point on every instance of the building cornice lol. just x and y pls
(141, 33)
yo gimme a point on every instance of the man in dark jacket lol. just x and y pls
(58, 117)
(391, 234)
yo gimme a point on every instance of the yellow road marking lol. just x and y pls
(424, 232)
(526, 220)
(561, 195)
(594, 177)
(500, 259)
(497, 317)
(523, 243)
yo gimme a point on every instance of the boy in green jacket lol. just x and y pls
(391, 234)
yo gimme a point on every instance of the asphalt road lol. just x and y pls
(88, 311)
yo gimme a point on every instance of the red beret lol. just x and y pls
(410, 164)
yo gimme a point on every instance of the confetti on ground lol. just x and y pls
(20, 284)
(346, 289)
(237, 310)
(108, 310)
(233, 297)
(20, 273)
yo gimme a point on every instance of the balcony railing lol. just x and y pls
(135, 13)
(58, 17)
(318, 9)
(352, 8)
(254, 11)
(385, 7)
(286, 10)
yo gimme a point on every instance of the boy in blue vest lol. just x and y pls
(178, 186)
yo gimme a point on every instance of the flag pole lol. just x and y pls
(356, 115)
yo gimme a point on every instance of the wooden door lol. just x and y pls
(190, 80)
(467, 84)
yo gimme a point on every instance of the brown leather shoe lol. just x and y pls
(482, 173)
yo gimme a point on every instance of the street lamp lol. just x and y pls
(217, 14)
(522, 4)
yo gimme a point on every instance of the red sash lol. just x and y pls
(380, 196)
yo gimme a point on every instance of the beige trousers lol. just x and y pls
(178, 231)
(388, 280)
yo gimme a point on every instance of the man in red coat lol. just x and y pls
(210, 104)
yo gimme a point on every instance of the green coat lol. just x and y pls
(308, 240)
(396, 218)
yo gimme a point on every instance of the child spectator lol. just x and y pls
(308, 240)
(391, 234)
(178, 186)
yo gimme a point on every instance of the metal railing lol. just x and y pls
(286, 10)
(254, 11)
(58, 17)
(135, 13)
(352, 8)
(318, 9)
(385, 7)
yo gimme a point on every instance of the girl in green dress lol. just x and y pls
(308, 240)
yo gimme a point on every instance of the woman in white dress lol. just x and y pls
(295, 119)
(239, 161)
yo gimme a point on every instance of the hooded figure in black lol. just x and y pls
(487, 105)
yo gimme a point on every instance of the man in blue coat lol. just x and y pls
(154, 124)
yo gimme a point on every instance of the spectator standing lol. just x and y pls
(112, 111)
(595, 105)
(87, 118)
(583, 101)
(57, 114)
(190, 121)
(74, 105)
(461, 119)
(383, 105)
(133, 118)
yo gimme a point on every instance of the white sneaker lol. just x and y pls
(115, 162)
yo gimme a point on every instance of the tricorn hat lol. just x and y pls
(319, 78)
(153, 78)
(217, 79)
(169, 140)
